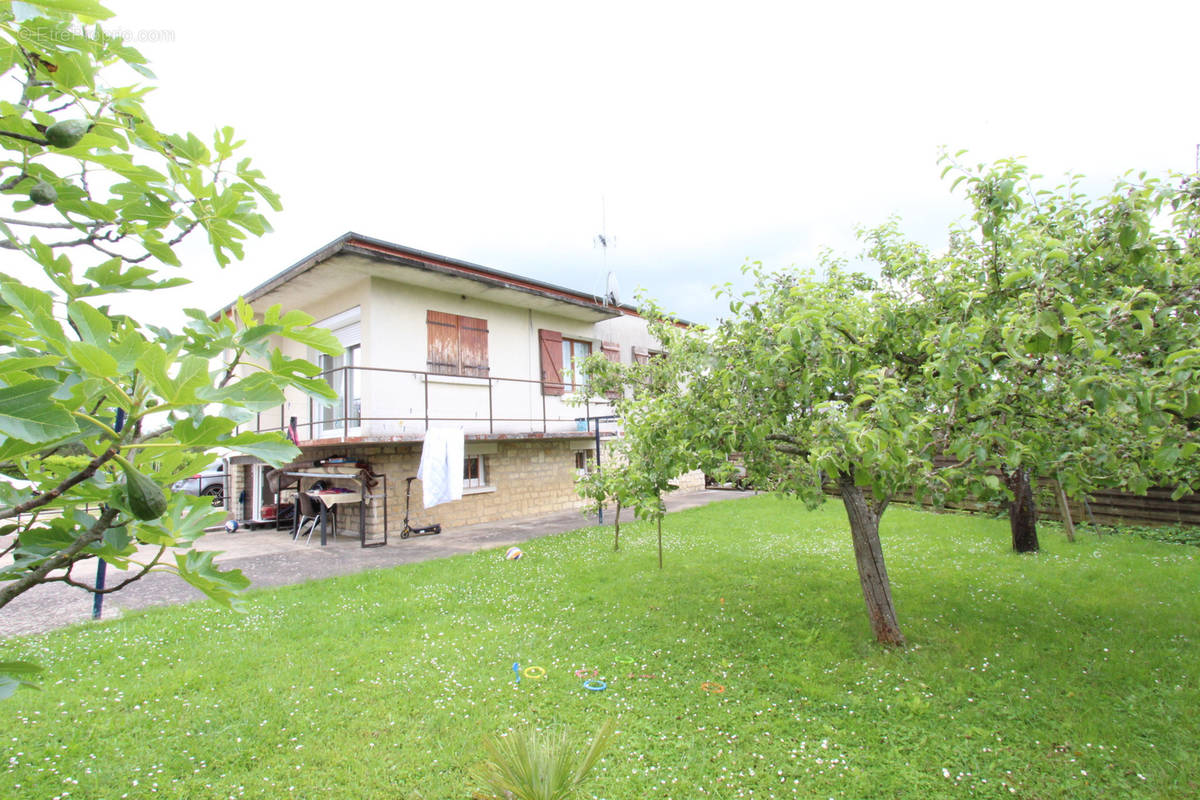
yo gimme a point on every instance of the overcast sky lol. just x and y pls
(491, 132)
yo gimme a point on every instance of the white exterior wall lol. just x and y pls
(394, 336)
(320, 308)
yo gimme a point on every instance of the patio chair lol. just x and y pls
(310, 515)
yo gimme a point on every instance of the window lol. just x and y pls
(474, 472)
(584, 461)
(574, 351)
(457, 345)
(340, 373)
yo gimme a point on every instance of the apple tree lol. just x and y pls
(816, 381)
(1061, 336)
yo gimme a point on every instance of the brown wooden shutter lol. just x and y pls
(457, 345)
(550, 345)
(443, 343)
(611, 351)
(473, 346)
(641, 355)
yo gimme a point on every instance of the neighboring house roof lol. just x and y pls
(375, 257)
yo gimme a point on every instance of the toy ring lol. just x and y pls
(712, 688)
(584, 672)
(534, 673)
(595, 685)
(623, 660)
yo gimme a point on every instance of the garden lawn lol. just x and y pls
(1068, 673)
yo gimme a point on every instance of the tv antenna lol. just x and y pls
(612, 293)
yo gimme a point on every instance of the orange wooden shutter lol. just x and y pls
(611, 351)
(550, 344)
(473, 346)
(443, 343)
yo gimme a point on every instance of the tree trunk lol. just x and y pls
(1064, 509)
(1022, 513)
(660, 542)
(617, 528)
(868, 554)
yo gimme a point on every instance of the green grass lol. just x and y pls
(1070, 673)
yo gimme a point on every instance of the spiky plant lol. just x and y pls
(528, 765)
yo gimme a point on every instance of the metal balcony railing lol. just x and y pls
(377, 402)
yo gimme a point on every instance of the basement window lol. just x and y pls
(474, 472)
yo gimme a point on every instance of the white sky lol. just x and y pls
(716, 132)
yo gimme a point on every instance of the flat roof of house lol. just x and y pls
(408, 257)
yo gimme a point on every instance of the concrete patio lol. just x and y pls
(270, 558)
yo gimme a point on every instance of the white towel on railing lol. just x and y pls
(441, 470)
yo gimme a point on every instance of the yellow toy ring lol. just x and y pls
(534, 673)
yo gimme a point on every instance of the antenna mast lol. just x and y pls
(604, 241)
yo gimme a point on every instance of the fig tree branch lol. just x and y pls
(23, 137)
(52, 494)
(33, 224)
(67, 579)
(61, 559)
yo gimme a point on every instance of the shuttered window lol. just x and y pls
(550, 345)
(458, 345)
(641, 355)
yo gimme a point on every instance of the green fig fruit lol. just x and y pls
(68, 132)
(146, 498)
(43, 194)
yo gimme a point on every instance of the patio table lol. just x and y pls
(329, 500)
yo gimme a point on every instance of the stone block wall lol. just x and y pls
(524, 477)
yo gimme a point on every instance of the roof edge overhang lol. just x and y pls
(378, 249)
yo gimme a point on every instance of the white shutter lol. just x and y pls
(346, 328)
(349, 335)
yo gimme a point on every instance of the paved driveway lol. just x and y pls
(271, 558)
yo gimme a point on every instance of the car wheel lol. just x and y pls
(217, 493)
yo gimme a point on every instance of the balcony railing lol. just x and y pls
(387, 404)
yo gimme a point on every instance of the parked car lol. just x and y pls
(208, 483)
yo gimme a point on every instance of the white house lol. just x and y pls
(431, 341)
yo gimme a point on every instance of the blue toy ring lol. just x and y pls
(595, 685)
